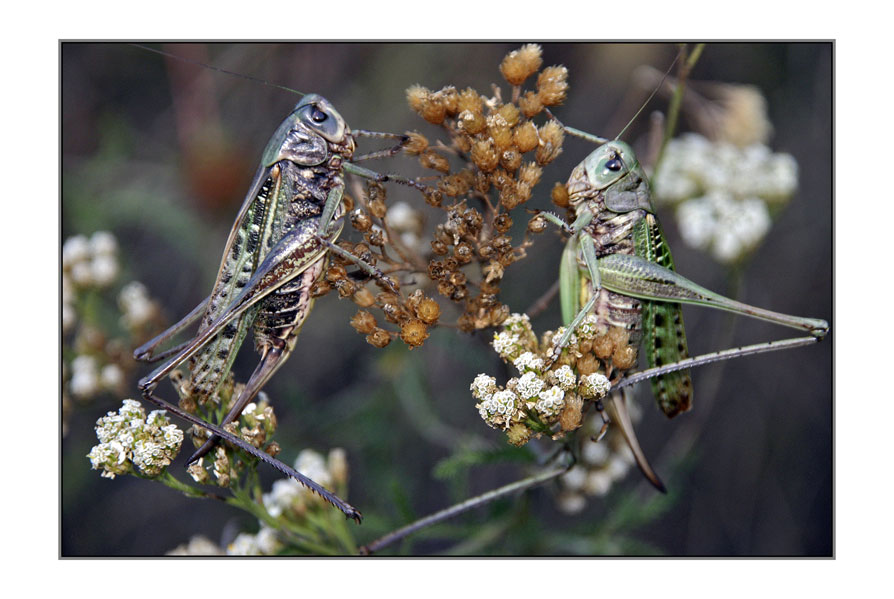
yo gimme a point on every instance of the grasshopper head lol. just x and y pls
(608, 163)
(304, 136)
(320, 116)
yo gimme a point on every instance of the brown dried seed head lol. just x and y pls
(433, 160)
(523, 191)
(560, 195)
(588, 364)
(413, 301)
(378, 208)
(348, 202)
(455, 185)
(416, 144)
(552, 85)
(500, 132)
(375, 238)
(362, 251)
(537, 225)
(417, 97)
(509, 197)
(618, 336)
(551, 137)
(624, 358)
(450, 98)
(428, 311)
(360, 221)
(530, 174)
(464, 253)
(511, 159)
(364, 322)
(445, 288)
(414, 333)
(346, 287)
(525, 137)
(434, 110)
(518, 434)
(457, 278)
(520, 64)
(484, 156)
(394, 313)
(335, 273)
(320, 288)
(439, 248)
(570, 418)
(364, 298)
(510, 113)
(530, 104)
(470, 100)
(502, 179)
(272, 449)
(433, 196)
(482, 182)
(503, 222)
(603, 346)
(378, 338)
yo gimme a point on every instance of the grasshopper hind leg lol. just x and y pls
(271, 360)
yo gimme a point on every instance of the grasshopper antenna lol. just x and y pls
(652, 95)
(214, 68)
(601, 140)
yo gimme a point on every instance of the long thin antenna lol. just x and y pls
(654, 91)
(214, 68)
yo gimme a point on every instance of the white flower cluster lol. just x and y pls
(535, 393)
(722, 192)
(594, 386)
(265, 542)
(601, 465)
(550, 402)
(528, 362)
(507, 345)
(197, 545)
(129, 438)
(407, 222)
(136, 306)
(86, 263)
(499, 408)
(87, 378)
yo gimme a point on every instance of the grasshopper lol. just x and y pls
(278, 247)
(617, 264)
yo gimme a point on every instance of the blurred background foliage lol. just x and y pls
(160, 153)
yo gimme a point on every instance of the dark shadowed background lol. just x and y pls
(160, 153)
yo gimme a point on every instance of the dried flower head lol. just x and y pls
(520, 64)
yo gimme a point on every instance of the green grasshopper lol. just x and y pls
(278, 247)
(617, 264)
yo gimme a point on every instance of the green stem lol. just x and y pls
(168, 479)
(673, 110)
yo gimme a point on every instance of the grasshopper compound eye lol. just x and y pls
(614, 165)
(318, 116)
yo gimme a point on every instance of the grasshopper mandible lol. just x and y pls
(277, 248)
(617, 265)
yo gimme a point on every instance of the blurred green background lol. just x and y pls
(160, 153)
